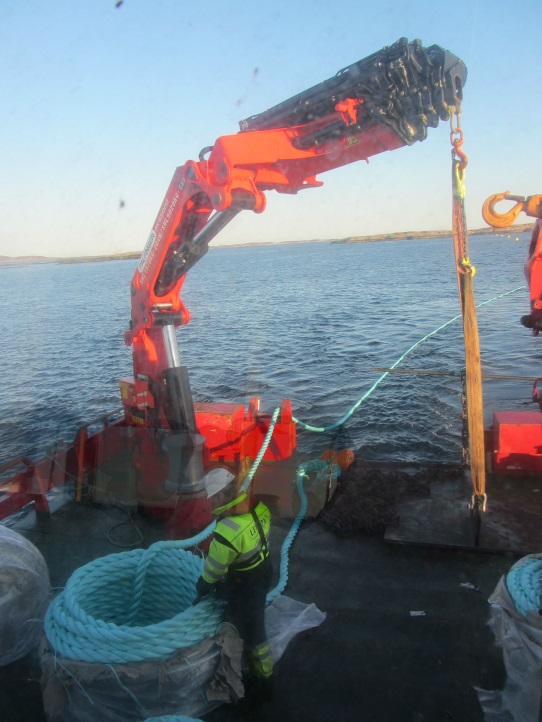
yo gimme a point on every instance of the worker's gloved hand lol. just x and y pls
(203, 588)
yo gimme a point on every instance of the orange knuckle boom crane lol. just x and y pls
(381, 103)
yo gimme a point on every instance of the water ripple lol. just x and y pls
(307, 322)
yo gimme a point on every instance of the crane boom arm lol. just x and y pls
(381, 103)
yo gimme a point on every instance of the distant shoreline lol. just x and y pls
(420, 235)
(12, 261)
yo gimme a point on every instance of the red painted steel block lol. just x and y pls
(517, 441)
(231, 434)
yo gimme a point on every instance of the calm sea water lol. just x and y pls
(308, 322)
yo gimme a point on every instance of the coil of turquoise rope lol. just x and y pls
(90, 621)
(524, 584)
(115, 610)
(137, 606)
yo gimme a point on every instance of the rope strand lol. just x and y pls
(340, 422)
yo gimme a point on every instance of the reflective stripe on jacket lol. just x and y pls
(237, 544)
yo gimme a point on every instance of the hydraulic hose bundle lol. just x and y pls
(404, 86)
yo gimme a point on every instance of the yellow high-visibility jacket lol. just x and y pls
(237, 544)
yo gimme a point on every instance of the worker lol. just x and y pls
(239, 570)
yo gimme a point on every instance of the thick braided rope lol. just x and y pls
(92, 621)
(315, 465)
(137, 605)
(524, 583)
(149, 556)
(343, 419)
(248, 479)
(145, 562)
(88, 621)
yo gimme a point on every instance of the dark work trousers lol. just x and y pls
(245, 593)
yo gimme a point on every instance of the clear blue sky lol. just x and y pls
(100, 104)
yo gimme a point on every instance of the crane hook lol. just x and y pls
(531, 206)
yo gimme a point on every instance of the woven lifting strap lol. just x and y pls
(473, 377)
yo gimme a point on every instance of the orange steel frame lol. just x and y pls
(241, 166)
